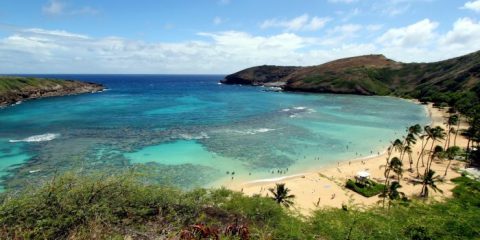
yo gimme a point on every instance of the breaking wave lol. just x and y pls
(199, 136)
(38, 138)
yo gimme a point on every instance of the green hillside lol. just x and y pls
(14, 89)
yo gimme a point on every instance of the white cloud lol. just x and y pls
(417, 34)
(57, 33)
(300, 23)
(54, 7)
(58, 7)
(393, 8)
(374, 27)
(463, 37)
(36, 50)
(472, 5)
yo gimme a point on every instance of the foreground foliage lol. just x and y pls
(86, 207)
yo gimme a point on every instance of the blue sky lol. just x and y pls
(223, 36)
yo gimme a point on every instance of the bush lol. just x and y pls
(112, 207)
(371, 188)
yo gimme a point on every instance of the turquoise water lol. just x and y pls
(190, 131)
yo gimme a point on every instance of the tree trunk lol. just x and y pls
(387, 173)
(456, 132)
(448, 165)
(448, 137)
(427, 169)
(467, 157)
(410, 160)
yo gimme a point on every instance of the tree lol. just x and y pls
(281, 195)
(426, 130)
(420, 155)
(429, 182)
(436, 134)
(450, 153)
(408, 150)
(398, 145)
(451, 121)
(393, 193)
(395, 165)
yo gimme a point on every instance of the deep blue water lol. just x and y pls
(189, 130)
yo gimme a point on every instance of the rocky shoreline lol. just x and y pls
(17, 89)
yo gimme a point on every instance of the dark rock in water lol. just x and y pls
(14, 90)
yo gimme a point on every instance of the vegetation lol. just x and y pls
(281, 195)
(14, 89)
(8, 84)
(369, 189)
(112, 207)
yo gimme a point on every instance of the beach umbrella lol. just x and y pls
(363, 174)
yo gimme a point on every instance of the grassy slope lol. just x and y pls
(14, 89)
(9, 84)
(112, 207)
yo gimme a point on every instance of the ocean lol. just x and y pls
(190, 131)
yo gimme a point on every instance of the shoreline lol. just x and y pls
(325, 186)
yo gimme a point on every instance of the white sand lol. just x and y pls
(325, 186)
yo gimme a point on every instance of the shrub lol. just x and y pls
(371, 188)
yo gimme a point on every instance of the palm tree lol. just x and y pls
(456, 132)
(393, 193)
(398, 145)
(415, 129)
(420, 155)
(436, 134)
(429, 182)
(281, 195)
(408, 150)
(451, 152)
(395, 165)
(427, 130)
(451, 121)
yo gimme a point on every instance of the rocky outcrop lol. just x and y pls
(368, 75)
(15, 89)
(260, 75)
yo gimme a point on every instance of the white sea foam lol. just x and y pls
(249, 131)
(268, 180)
(300, 108)
(255, 131)
(285, 110)
(38, 138)
(201, 135)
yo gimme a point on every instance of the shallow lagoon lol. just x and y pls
(189, 130)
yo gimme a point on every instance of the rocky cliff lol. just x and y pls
(15, 89)
(369, 75)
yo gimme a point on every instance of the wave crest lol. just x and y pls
(201, 135)
(38, 138)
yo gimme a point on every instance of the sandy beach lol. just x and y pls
(325, 187)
